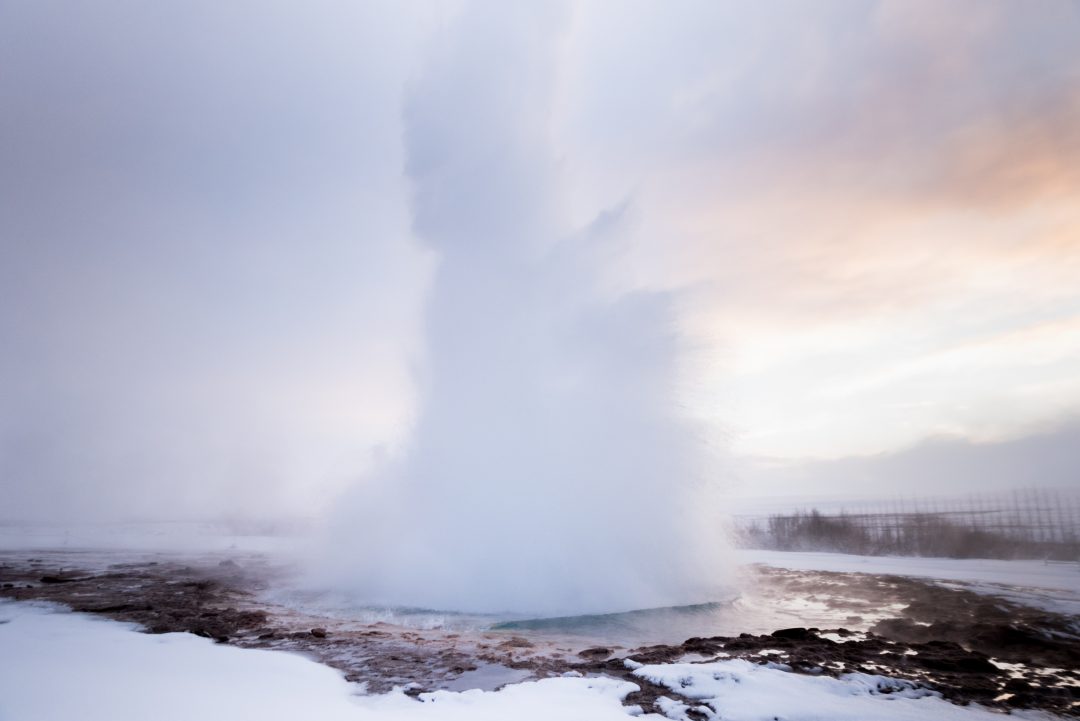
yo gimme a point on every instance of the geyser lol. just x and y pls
(549, 470)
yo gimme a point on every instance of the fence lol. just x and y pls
(1029, 523)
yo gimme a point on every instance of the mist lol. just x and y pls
(445, 277)
(550, 469)
(207, 282)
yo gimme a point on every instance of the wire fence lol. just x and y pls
(1028, 523)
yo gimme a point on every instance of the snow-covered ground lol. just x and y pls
(179, 536)
(1053, 586)
(287, 537)
(743, 691)
(60, 666)
(1037, 574)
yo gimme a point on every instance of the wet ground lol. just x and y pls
(971, 647)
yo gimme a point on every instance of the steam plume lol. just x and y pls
(549, 470)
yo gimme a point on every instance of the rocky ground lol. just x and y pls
(970, 647)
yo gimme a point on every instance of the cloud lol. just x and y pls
(851, 190)
(1046, 458)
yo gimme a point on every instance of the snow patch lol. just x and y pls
(60, 666)
(738, 690)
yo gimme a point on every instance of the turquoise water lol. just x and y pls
(656, 625)
(646, 624)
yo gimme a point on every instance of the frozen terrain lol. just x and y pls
(1051, 575)
(899, 638)
(165, 537)
(98, 670)
(1050, 585)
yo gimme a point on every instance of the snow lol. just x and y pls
(59, 666)
(178, 536)
(1056, 575)
(738, 690)
(1050, 585)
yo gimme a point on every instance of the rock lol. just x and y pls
(115, 608)
(704, 646)
(795, 634)
(1017, 685)
(318, 632)
(516, 642)
(595, 654)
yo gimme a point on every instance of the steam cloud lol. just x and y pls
(549, 470)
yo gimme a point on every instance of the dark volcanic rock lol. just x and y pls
(795, 634)
(595, 654)
(60, 579)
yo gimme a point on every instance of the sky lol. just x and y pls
(215, 268)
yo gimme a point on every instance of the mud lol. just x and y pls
(971, 648)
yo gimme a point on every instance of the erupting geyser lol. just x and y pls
(549, 470)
